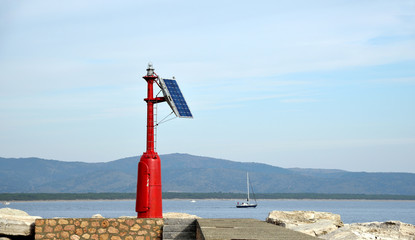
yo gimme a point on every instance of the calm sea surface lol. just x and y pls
(349, 210)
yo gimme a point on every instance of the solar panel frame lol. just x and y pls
(175, 98)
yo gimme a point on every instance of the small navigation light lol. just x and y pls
(150, 69)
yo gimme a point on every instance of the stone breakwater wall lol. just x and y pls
(99, 228)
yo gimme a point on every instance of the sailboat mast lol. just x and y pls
(247, 184)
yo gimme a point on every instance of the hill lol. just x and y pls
(188, 173)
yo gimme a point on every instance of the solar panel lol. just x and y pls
(174, 98)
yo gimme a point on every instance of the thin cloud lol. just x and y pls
(299, 100)
(403, 80)
(340, 143)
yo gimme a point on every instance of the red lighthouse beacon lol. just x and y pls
(149, 199)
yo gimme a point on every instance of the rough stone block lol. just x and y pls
(105, 223)
(67, 228)
(95, 224)
(47, 229)
(50, 235)
(39, 236)
(58, 228)
(308, 222)
(39, 222)
(51, 222)
(75, 237)
(130, 222)
(113, 230)
(38, 229)
(63, 234)
(151, 222)
(135, 228)
(79, 231)
(104, 236)
(14, 227)
(142, 232)
(123, 227)
(61, 221)
(86, 236)
(84, 224)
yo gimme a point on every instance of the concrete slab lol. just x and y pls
(246, 229)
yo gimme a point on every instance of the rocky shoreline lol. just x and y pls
(329, 226)
(17, 224)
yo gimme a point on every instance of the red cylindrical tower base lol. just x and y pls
(149, 199)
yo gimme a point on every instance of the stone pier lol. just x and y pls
(98, 228)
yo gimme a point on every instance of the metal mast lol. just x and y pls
(247, 185)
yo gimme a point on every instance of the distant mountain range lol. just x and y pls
(188, 173)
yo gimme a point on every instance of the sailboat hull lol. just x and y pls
(246, 206)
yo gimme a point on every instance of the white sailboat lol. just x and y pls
(247, 204)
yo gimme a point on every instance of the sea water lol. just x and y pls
(350, 210)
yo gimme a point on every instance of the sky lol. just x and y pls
(308, 84)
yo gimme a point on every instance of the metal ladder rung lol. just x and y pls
(155, 127)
